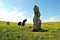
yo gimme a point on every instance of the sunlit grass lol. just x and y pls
(15, 32)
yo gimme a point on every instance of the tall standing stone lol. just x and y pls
(36, 19)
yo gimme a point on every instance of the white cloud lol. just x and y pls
(1, 4)
(29, 20)
(52, 19)
(13, 15)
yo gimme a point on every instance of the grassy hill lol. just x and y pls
(15, 32)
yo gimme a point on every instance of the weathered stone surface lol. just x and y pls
(23, 23)
(36, 19)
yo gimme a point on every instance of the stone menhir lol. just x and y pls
(8, 23)
(23, 23)
(19, 23)
(36, 19)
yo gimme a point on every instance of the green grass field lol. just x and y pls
(15, 32)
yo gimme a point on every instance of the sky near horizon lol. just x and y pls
(18, 10)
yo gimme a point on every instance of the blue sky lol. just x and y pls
(17, 10)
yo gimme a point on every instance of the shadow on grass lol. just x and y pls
(30, 27)
(58, 29)
(41, 30)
